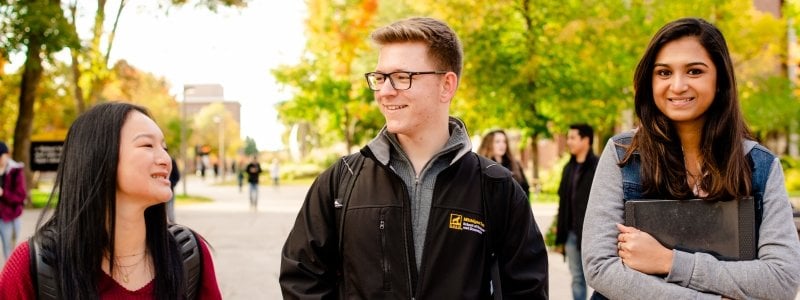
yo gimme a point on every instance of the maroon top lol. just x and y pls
(13, 194)
(15, 280)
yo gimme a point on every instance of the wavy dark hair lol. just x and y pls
(81, 228)
(656, 141)
(486, 149)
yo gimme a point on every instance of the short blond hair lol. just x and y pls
(444, 47)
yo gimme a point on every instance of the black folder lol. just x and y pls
(725, 229)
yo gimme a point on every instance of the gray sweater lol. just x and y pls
(774, 275)
(388, 150)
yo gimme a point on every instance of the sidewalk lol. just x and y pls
(247, 243)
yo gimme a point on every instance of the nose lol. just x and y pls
(679, 84)
(163, 158)
(386, 89)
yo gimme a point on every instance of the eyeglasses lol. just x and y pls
(399, 80)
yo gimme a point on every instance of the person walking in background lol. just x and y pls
(414, 224)
(108, 236)
(13, 192)
(239, 175)
(275, 172)
(495, 147)
(573, 194)
(253, 172)
(174, 177)
(692, 143)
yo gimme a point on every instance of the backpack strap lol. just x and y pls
(493, 241)
(42, 272)
(46, 288)
(346, 175)
(191, 257)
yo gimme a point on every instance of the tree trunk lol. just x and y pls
(535, 157)
(27, 96)
(348, 140)
(80, 103)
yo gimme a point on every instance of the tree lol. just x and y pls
(145, 89)
(206, 129)
(90, 65)
(327, 84)
(250, 148)
(41, 29)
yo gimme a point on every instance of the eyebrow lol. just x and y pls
(691, 64)
(144, 135)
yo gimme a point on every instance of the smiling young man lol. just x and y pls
(416, 224)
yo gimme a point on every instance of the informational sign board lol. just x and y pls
(45, 155)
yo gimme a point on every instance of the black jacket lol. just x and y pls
(377, 260)
(565, 206)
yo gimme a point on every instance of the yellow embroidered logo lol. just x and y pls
(459, 222)
(455, 221)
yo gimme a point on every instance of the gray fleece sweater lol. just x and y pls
(774, 275)
(388, 150)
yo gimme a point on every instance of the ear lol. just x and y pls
(449, 86)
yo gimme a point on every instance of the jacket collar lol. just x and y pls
(381, 145)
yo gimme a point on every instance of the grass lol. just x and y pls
(39, 198)
(191, 199)
(544, 198)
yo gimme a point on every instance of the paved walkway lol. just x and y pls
(247, 243)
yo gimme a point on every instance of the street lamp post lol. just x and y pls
(221, 125)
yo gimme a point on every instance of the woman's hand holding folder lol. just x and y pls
(641, 252)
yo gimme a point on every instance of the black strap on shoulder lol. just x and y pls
(46, 288)
(487, 208)
(43, 273)
(347, 174)
(192, 258)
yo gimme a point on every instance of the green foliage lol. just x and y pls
(791, 170)
(148, 90)
(551, 179)
(533, 66)
(210, 124)
(550, 235)
(295, 172)
(187, 199)
(40, 20)
(39, 198)
(768, 105)
(250, 148)
(329, 90)
(213, 5)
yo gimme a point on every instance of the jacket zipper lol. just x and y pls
(386, 283)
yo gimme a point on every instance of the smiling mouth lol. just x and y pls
(158, 176)
(681, 100)
(395, 107)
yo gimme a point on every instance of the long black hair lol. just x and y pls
(721, 151)
(81, 229)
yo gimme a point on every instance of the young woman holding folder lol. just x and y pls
(692, 143)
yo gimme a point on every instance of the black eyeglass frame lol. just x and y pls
(391, 81)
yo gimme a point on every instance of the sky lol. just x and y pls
(236, 48)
